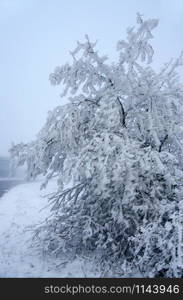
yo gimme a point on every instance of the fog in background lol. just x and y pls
(37, 35)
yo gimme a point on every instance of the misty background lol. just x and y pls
(37, 35)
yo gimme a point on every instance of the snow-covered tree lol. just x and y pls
(116, 150)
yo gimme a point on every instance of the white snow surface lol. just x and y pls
(21, 209)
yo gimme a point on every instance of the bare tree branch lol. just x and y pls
(162, 142)
(122, 113)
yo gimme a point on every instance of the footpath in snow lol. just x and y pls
(20, 210)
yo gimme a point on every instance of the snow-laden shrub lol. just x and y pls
(116, 150)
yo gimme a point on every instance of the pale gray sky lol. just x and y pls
(37, 35)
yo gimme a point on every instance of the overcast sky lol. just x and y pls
(37, 35)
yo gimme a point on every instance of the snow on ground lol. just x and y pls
(20, 210)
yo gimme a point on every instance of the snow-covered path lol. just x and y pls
(20, 210)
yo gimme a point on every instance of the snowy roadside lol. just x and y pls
(20, 209)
